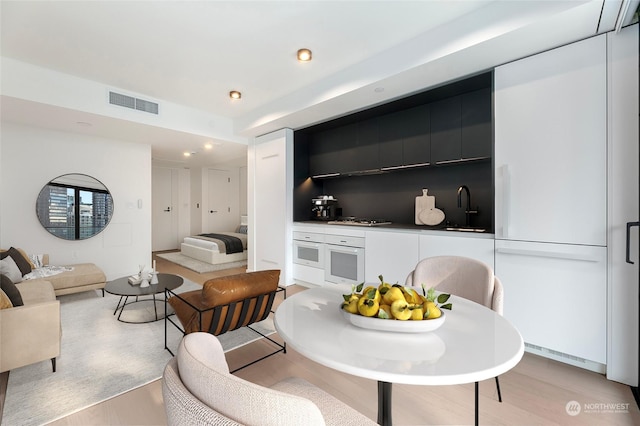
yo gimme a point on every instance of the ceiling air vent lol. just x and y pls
(133, 103)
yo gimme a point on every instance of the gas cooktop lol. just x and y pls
(359, 221)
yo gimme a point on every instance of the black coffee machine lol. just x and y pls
(325, 207)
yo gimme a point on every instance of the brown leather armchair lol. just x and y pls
(225, 304)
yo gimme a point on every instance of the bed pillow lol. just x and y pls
(10, 289)
(9, 268)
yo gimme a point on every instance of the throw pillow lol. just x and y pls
(9, 268)
(5, 302)
(22, 260)
(7, 286)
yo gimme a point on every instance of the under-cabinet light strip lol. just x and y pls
(408, 166)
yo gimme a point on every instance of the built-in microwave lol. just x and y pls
(308, 249)
(344, 260)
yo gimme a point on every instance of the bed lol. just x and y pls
(213, 250)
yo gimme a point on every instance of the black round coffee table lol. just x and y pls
(121, 287)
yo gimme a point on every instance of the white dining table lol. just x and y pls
(473, 344)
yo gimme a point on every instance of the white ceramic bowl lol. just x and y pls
(408, 326)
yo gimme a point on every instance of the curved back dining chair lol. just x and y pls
(464, 277)
(198, 389)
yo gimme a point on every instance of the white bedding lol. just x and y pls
(207, 250)
(209, 245)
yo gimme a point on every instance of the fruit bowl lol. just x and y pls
(409, 326)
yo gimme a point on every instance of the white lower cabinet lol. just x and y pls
(304, 275)
(390, 254)
(556, 296)
(481, 249)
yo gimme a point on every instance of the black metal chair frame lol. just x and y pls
(231, 307)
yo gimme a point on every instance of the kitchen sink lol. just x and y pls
(463, 229)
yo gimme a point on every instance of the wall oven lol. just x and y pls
(308, 249)
(344, 259)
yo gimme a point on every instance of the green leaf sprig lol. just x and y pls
(441, 300)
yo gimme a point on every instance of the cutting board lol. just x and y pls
(426, 211)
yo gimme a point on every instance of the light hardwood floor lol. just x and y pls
(535, 392)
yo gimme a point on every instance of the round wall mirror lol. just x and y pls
(74, 207)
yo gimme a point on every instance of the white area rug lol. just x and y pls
(100, 358)
(197, 265)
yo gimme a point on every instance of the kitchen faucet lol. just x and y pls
(468, 210)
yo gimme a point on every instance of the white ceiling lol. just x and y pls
(194, 53)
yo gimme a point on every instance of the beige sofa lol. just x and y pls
(83, 277)
(30, 333)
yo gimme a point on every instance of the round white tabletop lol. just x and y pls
(472, 345)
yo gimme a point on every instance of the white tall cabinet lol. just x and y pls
(270, 203)
(551, 199)
(623, 194)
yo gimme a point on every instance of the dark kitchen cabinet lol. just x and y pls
(417, 139)
(368, 151)
(404, 137)
(390, 139)
(333, 150)
(446, 134)
(476, 136)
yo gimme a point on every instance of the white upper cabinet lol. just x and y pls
(550, 146)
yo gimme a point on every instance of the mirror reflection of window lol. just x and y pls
(74, 207)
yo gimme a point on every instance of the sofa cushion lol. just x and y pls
(5, 302)
(10, 289)
(9, 268)
(21, 259)
(36, 291)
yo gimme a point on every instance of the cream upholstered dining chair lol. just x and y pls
(464, 277)
(198, 389)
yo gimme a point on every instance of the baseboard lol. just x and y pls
(566, 358)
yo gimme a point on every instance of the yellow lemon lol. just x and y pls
(400, 309)
(431, 310)
(417, 312)
(371, 292)
(394, 293)
(368, 307)
(351, 306)
(385, 312)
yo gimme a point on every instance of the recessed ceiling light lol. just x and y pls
(208, 146)
(234, 94)
(304, 55)
(187, 154)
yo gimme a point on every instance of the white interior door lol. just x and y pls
(220, 214)
(164, 217)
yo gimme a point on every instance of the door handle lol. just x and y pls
(213, 211)
(168, 209)
(629, 225)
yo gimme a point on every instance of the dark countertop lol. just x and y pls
(400, 226)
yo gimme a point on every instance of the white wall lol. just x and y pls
(31, 157)
(196, 201)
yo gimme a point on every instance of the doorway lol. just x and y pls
(170, 215)
(222, 208)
